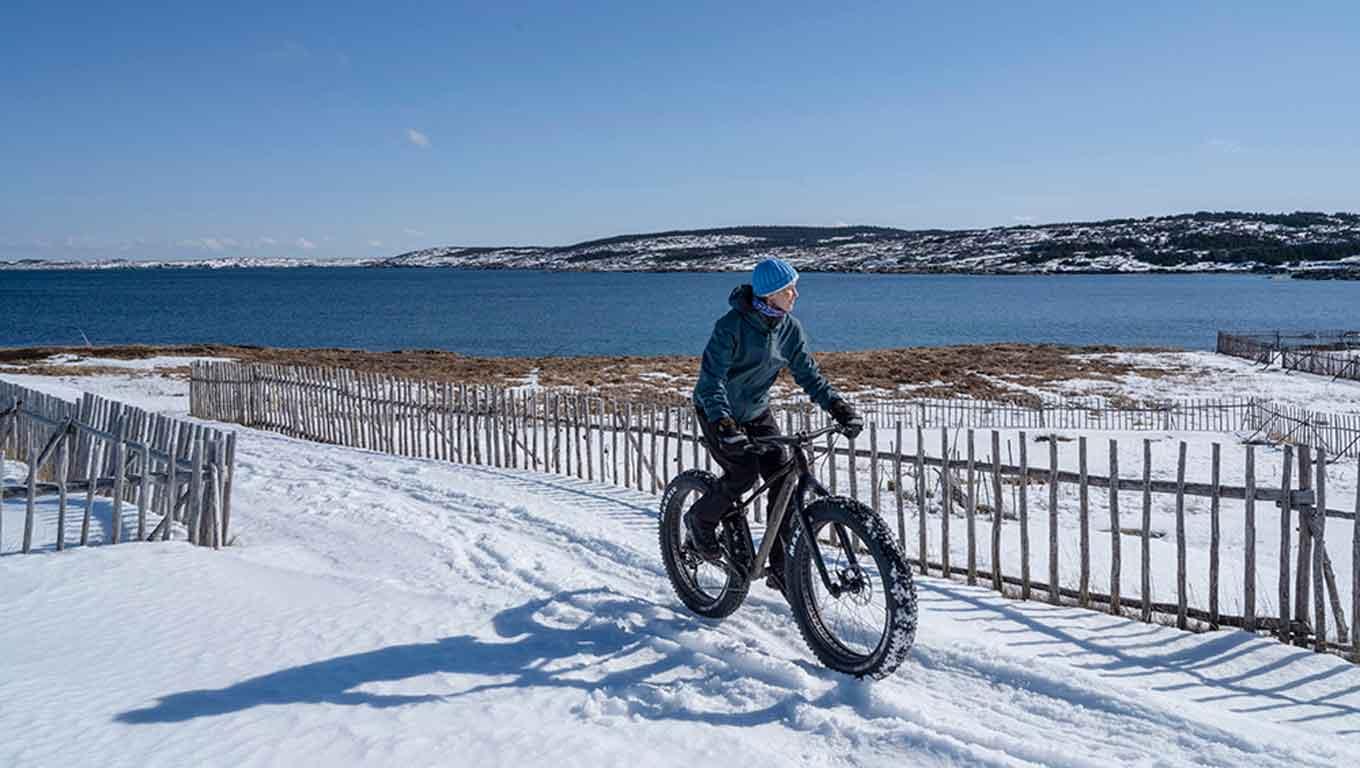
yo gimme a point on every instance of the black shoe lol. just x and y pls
(704, 538)
(774, 573)
(776, 582)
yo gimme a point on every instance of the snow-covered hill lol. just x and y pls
(1310, 244)
(1228, 242)
(387, 611)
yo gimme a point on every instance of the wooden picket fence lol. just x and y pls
(1324, 353)
(641, 445)
(1201, 415)
(1338, 435)
(169, 471)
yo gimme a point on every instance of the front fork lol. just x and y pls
(806, 480)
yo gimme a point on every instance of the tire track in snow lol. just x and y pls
(551, 535)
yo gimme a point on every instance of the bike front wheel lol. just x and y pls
(866, 625)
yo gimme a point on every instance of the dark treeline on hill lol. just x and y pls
(1203, 241)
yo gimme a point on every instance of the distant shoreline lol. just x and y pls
(1265, 272)
(1199, 242)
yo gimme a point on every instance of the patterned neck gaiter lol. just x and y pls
(767, 310)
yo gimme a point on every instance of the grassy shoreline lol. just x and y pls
(982, 371)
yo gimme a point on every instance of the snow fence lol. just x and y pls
(1054, 525)
(143, 476)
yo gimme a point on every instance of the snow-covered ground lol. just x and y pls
(1207, 375)
(378, 610)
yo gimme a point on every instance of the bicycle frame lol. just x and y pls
(779, 507)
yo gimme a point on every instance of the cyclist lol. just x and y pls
(750, 345)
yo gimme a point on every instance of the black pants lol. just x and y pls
(740, 468)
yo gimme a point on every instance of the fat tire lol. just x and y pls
(734, 533)
(800, 571)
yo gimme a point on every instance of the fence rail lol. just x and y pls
(640, 445)
(1336, 434)
(169, 471)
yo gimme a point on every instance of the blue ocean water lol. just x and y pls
(554, 313)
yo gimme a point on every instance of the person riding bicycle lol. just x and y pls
(750, 345)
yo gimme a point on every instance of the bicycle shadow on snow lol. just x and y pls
(632, 652)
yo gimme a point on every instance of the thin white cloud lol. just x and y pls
(413, 232)
(1226, 146)
(215, 244)
(266, 241)
(305, 244)
(46, 245)
(375, 243)
(417, 138)
(1023, 219)
(288, 50)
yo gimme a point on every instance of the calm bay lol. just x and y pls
(585, 313)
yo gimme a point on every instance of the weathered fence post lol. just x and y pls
(656, 481)
(897, 489)
(1115, 533)
(639, 460)
(1355, 578)
(946, 502)
(997, 515)
(1084, 512)
(119, 476)
(1318, 524)
(1053, 596)
(1303, 568)
(62, 469)
(1024, 517)
(171, 491)
(195, 505)
(1181, 606)
(1214, 537)
(1146, 531)
(1249, 554)
(31, 459)
(972, 510)
(143, 489)
(854, 470)
(626, 426)
(831, 470)
(1286, 505)
(873, 466)
(921, 497)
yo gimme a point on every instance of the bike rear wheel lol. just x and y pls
(712, 590)
(867, 629)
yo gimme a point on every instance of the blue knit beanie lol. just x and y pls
(772, 276)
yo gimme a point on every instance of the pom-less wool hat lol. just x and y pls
(772, 276)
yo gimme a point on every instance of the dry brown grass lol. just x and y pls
(978, 371)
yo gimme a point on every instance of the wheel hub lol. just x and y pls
(855, 586)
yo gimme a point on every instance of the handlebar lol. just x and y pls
(798, 438)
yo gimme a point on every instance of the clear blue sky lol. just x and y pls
(185, 130)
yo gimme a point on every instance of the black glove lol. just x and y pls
(845, 415)
(731, 437)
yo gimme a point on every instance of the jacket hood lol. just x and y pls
(740, 299)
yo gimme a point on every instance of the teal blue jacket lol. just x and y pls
(745, 355)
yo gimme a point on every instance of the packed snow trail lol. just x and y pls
(386, 611)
